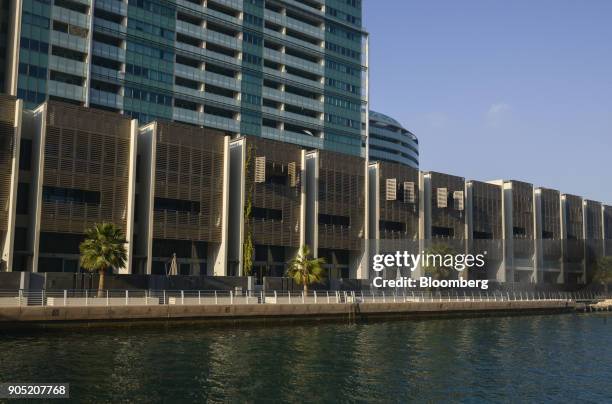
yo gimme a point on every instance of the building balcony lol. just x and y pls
(108, 51)
(284, 97)
(114, 6)
(107, 99)
(67, 66)
(106, 25)
(294, 61)
(69, 41)
(71, 17)
(199, 75)
(64, 90)
(294, 24)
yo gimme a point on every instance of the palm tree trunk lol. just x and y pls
(101, 283)
(305, 288)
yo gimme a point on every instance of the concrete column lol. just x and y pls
(237, 158)
(220, 265)
(7, 248)
(129, 231)
(311, 190)
(147, 146)
(38, 126)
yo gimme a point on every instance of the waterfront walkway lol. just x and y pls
(45, 307)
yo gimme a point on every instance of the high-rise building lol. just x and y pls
(287, 70)
(389, 141)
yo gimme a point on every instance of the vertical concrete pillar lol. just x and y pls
(7, 248)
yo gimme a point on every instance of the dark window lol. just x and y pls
(267, 214)
(70, 195)
(23, 198)
(334, 220)
(442, 231)
(177, 205)
(385, 225)
(25, 154)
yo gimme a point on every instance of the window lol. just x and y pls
(267, 214)
(390, 226)
(177, 205)
(334, 220)
(70, 195)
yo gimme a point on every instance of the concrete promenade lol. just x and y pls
(87, 314)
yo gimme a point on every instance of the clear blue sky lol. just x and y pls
(517, 89)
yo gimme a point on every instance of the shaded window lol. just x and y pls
(70, 195)
(177, 205)
(385, 225)
(437, 231)
(267, 214)
(334, 220)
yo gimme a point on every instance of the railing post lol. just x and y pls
(261, 296)
(337, 297)
(289, 294)
(231, 297)
(182, 297)
(86, 302)
(127, 297)
(328, 296)
(303, 301)
(107, 301)
(42, 297)
(275, 298)
(373, 298)
(199, 297)
(146, 298)
(362, 299)
(65, 296)
(315, 296)
(20, 296)
(216, 298)
(164, 294)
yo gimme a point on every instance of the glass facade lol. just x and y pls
(281, 69)
(390, 141)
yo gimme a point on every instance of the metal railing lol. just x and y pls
(83, 297)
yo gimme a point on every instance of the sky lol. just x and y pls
(495, 89)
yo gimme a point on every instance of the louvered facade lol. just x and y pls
(86, 151)
(273, 184)
(398, 201)
(341, 201)
(550, 234)
(275, 193)
(485, 225)
(188, 167)
(447, 207)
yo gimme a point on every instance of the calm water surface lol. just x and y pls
(562, 358)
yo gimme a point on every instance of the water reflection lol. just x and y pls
(560, 358)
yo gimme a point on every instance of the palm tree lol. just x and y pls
(103, 248)
(603, 274)
(436, 268)
(305, 270)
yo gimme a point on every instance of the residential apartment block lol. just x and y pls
(294, 71)
(223, 204)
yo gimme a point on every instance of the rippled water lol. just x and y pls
(535, 358)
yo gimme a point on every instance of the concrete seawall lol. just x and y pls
(89, 314)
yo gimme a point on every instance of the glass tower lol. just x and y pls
(287, 70)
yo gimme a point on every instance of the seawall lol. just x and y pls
(37, 315)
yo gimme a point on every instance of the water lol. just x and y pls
(523, 359)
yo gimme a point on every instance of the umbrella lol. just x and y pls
(173, 266)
